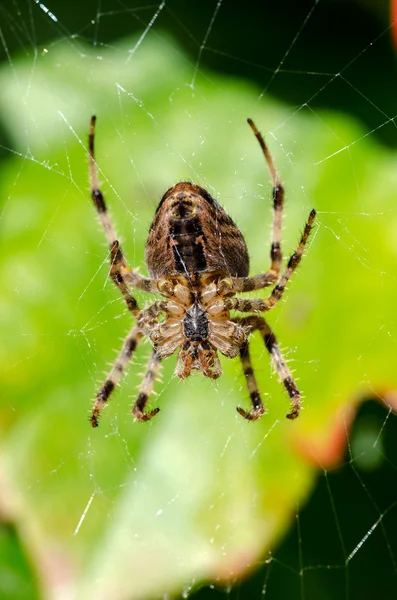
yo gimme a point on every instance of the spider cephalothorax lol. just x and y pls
(197, 259)
(197, 321)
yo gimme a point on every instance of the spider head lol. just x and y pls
(200, 356)
(197, 353)
(182, 205)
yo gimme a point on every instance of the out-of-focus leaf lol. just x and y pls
(16, 577)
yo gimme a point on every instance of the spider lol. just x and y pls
(197, 259)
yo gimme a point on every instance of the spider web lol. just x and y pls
(201, 503)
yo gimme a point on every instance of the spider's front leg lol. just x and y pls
(121, 274)
(166, 337)
(146, 319)
(265, 304)
(146, 388)
(268, 278)
(257, 405)
(247, 284)
(256, 323)
(129, 347)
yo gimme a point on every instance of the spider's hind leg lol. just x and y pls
(257, 405)
(129, 346)
(121, 274)
(138, 410)
(252, 323)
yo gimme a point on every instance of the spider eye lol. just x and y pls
(183, 210)
(182, 205)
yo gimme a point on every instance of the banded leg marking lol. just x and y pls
(120, 272)
(278, 203)
(129, 346)
(138, 410)
(257, 405)
(119, 266)
(248, 284)
(293, 262)
(148, 316)
(254, 323)
(264, 304)
(96, 193)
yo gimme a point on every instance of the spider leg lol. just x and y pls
(148, 316)
(129, 346)
(138, 410)
(253, 323)
(118, 265)
(120, 272)
(96, 193)
(257, 405)
(246, 284)
(266, 279)
(276, 256)
(265, 304)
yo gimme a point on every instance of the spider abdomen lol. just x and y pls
(195, 235)
(187, 242)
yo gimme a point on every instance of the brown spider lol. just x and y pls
(198, 260)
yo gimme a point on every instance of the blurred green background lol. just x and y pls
(198, 503)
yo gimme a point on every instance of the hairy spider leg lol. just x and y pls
(121, 274)
(118, 263)
(268, 278)
(146, 388)
(257, 405)
(256, 323)
(276, 256)
(264, 304)
(256, 282)
(129, 346)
